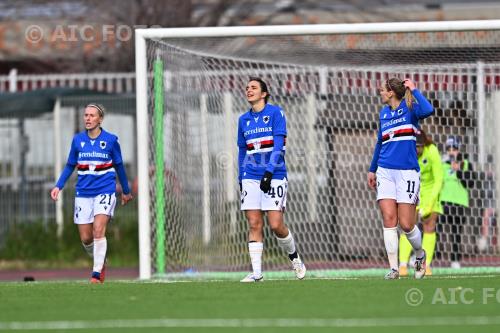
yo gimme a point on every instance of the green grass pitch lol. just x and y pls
(448, 304)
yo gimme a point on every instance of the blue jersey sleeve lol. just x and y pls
(279, 123)
(122, 176)
(242, 151)
(241, 138)
(376, 152)
(116, 152)
(73, 153)
(70, 165)
(119, 167)
(424, 108)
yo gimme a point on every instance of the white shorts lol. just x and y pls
(87, 208)
(252, 197)
(400, 185)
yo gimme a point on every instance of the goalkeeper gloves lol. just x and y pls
(265, 182)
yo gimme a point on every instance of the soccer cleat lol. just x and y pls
(428, 271)
(403, 270)
(299, 268)
(420, 266)
(96, 277)
(392, 275)
(251, 278)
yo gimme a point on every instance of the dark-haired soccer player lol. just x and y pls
(263, 176)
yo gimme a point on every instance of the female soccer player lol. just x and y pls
(97, 156)
(394, 170)
(429, 209)
(263, 177)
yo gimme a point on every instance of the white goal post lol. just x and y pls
(151, 139)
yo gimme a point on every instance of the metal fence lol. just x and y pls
(28, 150)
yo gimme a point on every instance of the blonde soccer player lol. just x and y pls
(97, 157)
(394, 169)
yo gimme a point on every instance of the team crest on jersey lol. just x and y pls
(248, 122)
(424, 161)
(82, 144)
(102, 144)
(400, 112)
(266, 119)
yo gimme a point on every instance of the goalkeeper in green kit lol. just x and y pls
(429, 208)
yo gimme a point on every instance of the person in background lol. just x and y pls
(488, 233)
(429, 208)
(457, 172)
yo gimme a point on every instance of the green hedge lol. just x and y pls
(35, 244)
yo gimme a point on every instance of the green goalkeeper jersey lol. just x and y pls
(431, 173)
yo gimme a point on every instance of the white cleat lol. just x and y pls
(420, 266)
(299, 268)
(251, 278)
(392, 275)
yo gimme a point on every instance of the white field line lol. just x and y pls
(252, 323)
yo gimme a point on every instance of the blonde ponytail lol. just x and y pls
(408, 98)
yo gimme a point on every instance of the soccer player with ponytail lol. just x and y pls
(394, 170)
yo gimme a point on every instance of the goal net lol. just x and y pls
(191, 92)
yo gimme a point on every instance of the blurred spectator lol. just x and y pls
(429, 208)
(488, 238)
(457, 171)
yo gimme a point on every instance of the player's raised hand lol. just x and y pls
(126, 198)
(54, 193)
(372, 180)
(409, 84)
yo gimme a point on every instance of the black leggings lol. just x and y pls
(452, 223)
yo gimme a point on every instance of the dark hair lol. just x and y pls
(263, 86)
(423, 139)
(397, 85)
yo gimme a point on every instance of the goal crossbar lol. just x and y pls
(141, 35)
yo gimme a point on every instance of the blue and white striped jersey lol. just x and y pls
(257, 132)
(95, 160)
(396, 141)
